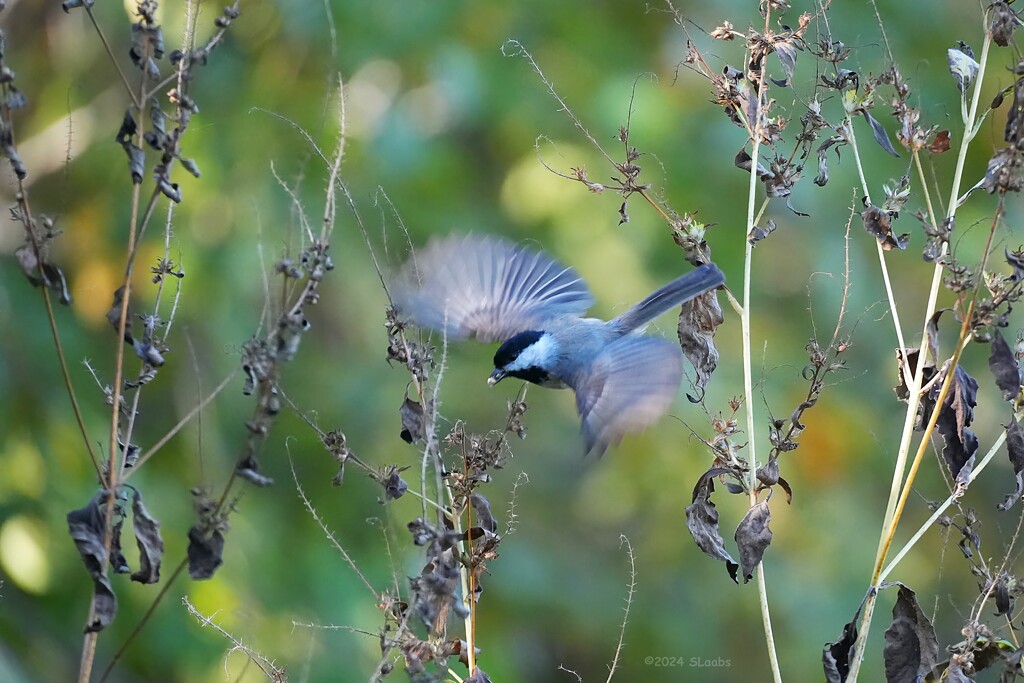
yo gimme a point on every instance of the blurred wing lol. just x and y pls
(487, 288)
(628, 387)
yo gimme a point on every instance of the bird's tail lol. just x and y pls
(675, 293)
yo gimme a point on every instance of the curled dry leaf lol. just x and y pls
(757, 233)
(136, 155)
(844, 79)
(1003, 598)
(911, 648)
(787, 53)
(768, 476)
(1004, 367)
(43, 274)
(699, 318)
(745, 162)
(118, 562)
(937, 241)
(753, 537)
(881, 137)
(484, 516)
(940, 143)
(86, 527)
(205, 552)
(702, 521)
(1004, 171)
(836, 656)
(394, 486)
(970, 541)
(412, 420)
(114, 316)
(955, 416)
(1015, 449)
(837, 142)
(147, 537)
(436, 589)
(878, 222)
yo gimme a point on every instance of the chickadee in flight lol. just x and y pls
(493, 290)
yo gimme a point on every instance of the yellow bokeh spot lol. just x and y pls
(24, 470)
(532, 193)
(215, 599)
(93, 290)
(22, 554)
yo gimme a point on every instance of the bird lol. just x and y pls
(490, 289)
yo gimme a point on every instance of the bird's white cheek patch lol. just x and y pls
(540, 354)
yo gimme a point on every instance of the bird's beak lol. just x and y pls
(496, 377)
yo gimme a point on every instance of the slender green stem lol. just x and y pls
(941, 509)
(748, 374)
(878, 246)
(914, 398)
(892, 517)
(923, 443)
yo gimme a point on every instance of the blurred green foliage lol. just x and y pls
(441, 136)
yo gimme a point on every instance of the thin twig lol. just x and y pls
(181, 425)
(882, 264)
(513, 48)
(323, 526)
(113, 59)
(631, 590)
(269, 669)
(168, 582)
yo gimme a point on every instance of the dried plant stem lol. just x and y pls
(969, 133)
(29, 223)
(178, 427)
(941, 509)
(631, 590)
(89, 642)
(168, 582)
(62, 359)
(872, 598)
(915, 378)
(894, 505)
(890, 296)
(924, 186)
(925, 440)
(113, 59)
(465, 580)
(748, 373)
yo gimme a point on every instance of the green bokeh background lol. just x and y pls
(441, 132)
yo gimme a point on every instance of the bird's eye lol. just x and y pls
(509, 351)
